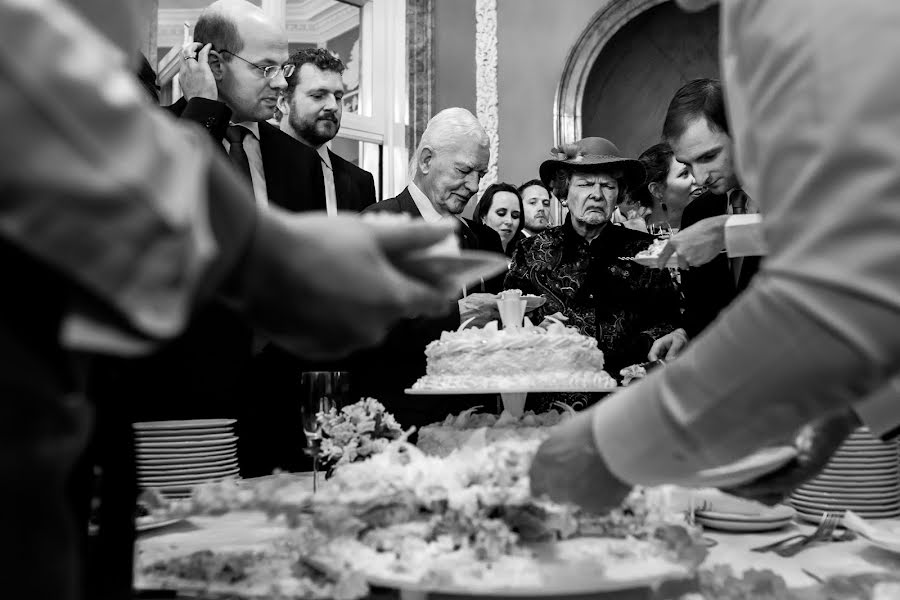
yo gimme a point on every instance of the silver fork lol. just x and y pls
(824, 532)
(796, 538)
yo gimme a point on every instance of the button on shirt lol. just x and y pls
(254, 157)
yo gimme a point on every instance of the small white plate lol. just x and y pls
(213, 472)
(212, 464)
(152, 434)
(815, 516)
(191, 424)
(169, 458)
(185, 486)
(744, 470)
(150, 525)
(187, 479)
(170, 439)
(743, 526)
(850, 490)
(779, 512)
(652, 261)
(855, 480)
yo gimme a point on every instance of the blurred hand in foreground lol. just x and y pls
(668, 346)
(815, 444)
(325, 286)
(696, 245)
(568, 468)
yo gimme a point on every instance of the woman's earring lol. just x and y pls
(563, 202)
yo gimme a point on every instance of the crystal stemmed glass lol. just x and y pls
(320, 392)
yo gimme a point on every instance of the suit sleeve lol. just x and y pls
(819, 327)
(212, 115)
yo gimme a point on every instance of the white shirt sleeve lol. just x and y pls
(744, 236)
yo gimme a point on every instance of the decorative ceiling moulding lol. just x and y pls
(612, 16)
(420, 67)
(302, 26)
(486, 98)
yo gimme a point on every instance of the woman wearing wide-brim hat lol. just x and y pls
(581, 266)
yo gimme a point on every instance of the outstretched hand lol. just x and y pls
(325, 286)
(696, 245)
(815, 443)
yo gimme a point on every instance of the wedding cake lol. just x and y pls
(544, 358)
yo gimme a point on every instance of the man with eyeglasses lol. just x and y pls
(232, 76)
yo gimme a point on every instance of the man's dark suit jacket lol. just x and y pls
(353, 186)
(384, 372)
(711, 287)
(293, 171)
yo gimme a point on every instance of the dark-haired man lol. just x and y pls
(536, 202)
(696, 128)
(311, 108)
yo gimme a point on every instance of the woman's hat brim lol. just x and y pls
(632, 170)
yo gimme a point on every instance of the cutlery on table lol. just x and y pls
(824, 531)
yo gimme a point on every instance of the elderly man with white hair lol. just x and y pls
(448, 165)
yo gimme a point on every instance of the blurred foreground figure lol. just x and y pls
(819, 327)
(115, 224)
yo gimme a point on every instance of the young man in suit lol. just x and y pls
(449, 162)
(311, 108)
(696, 128)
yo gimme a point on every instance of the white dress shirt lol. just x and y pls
(331, 206)
(819, 327)
(429, 212)
(254, 157)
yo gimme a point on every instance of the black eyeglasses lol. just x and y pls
(270, 72)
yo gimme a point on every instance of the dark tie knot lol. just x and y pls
(739, 202)
(235, 134)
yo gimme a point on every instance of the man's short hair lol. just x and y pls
(218, 29)
(446, 129)
(531, 183)
(321, 58)
(695, 99)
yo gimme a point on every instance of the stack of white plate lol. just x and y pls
(862, 476)
(175, 456)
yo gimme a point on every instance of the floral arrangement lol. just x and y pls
(355, 433)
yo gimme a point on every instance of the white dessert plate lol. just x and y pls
(203, 437)
(191, 424)
(463, 269)
(187, 479)
(651, 261)
(185, 486)
(152, 434)
(744, 470)
(213, 464)
(765, 514)
(151, 523)
(479, 300)
(852, 479)
(167, 458)
(851, 489)
(187, 444)
(743, 526)
(832, 504)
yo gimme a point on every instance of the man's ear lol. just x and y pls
(216, 65)
(283, 105)
(656, 189)
(426, 157)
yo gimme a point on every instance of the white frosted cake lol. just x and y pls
(555, 357)
(469, 428)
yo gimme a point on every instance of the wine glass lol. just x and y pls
(320, 392)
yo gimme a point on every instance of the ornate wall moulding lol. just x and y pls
(607, 21)
(486, 97)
